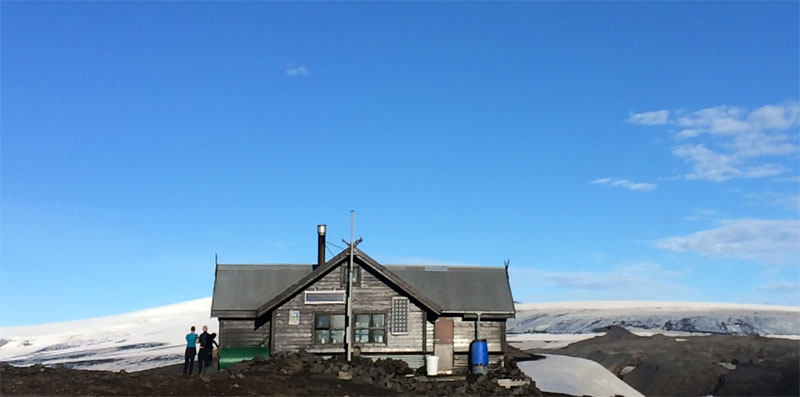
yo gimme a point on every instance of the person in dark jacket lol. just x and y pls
(207, 343)
(191, 351)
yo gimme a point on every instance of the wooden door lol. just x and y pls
(443, 344)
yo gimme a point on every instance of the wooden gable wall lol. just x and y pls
(371, 296)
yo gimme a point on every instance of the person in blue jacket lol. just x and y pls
(191, 351)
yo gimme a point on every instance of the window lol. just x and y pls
(323, 297)
(399, 316)
(328, 329)
(356, 276)
(370, 328)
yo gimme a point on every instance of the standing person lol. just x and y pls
(211, 351)
(191, 351)
(206, 347)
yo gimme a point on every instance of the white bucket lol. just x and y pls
(432, 365)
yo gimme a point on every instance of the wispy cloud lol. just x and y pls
(760, 240)
(789, 202)
(293, 70)
(780, 292)
(638, 281)
(703, 214)
(736, 140)
(780, 287)
(413, 260)
(658, 117)
(625, 184)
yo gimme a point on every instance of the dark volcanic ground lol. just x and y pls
(38, 381)
(666, 367)
(289, 374)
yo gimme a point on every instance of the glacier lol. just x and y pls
(689, 317)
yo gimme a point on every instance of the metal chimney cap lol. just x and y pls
(321, 229)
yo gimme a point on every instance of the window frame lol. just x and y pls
(392, 326)
(356, 270)
(329, 328)
(328, 302)
(370, 328)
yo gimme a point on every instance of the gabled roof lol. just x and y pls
(248, 291)
(240, 289)
(461, 289)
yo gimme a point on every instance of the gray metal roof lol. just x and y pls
(246, 287)
(460, 289)
(243, 288)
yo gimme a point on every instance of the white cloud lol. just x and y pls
(293, 70)
(764, 241)
(735, 140)
(757, 144)
(624, 183)
(707, 164)
(688, 133)
(774, 116)
(717, 120)
(658, 117)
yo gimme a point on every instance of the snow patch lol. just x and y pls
(575, 376)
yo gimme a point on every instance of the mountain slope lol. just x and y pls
(133, 341)
(155, 337)
(720, 318)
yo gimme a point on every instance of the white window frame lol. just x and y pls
(391, 326)
(307, 302)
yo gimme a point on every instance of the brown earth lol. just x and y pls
(666, 367)
(289, 374)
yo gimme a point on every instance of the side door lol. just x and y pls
(443, 344)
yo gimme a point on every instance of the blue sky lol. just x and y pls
(610, 150)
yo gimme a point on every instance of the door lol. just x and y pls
(443, 344)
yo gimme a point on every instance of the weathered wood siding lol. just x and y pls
(374, 296)
(242, 333)
(301, 336)
(429, 337)
(371, 296)
(464, 334)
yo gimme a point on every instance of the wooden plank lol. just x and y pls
(272, 332)
(425, 331)
(464, 331)
(503, 344)
(241, 333)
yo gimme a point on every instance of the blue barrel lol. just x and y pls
(478, 355)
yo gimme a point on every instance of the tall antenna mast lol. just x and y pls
(348, 302)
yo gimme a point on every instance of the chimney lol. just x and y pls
(320, 246)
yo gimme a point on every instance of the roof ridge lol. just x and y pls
(451, 266)
(265, 264)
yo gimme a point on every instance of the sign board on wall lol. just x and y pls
(294, 317)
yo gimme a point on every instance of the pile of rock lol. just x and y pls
(391, 374)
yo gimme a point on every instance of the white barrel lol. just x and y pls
(432, 365)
